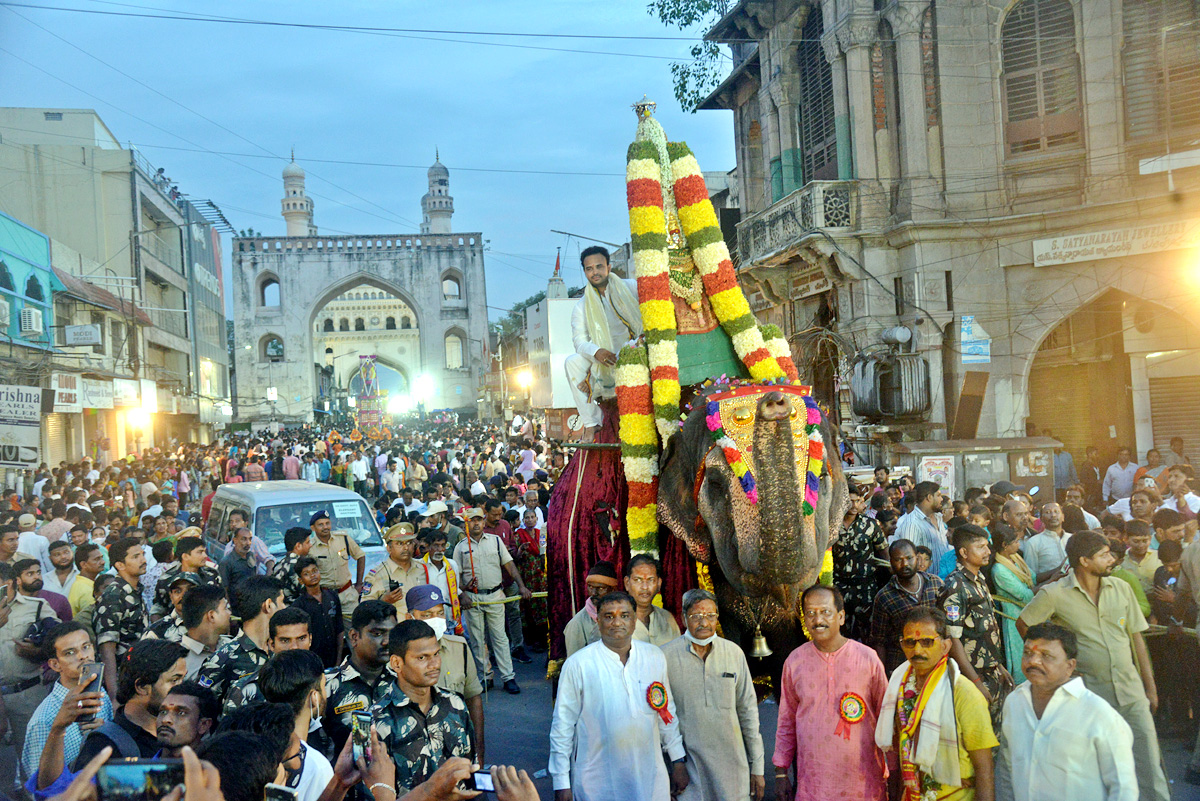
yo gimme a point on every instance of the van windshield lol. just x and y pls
(350, 516)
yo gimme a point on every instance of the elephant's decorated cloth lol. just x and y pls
(585, 524)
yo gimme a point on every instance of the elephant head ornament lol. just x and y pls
(753, 485)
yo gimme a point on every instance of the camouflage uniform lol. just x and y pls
(231, 662)
(347, 692)
(169, 628)
(162, 589)
(967, 602)
(419, 742)
(284, 571)
(119, 617)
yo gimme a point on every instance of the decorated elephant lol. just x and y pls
(764, 546)
(744, 494)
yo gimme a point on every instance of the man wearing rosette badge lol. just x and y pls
(615, 714)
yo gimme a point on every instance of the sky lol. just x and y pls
(220, 106)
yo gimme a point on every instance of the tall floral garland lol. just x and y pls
(648, 230)
(639, 448)
(704, 239)
(648, 391)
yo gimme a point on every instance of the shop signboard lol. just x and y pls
(96, 394)
(20, 426)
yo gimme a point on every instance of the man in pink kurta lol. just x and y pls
(831, 692)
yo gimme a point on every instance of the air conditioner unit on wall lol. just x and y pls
(31, 322)
(5, 316)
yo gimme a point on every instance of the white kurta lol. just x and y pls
(1080, 747)
(718, 717)
(606, 742)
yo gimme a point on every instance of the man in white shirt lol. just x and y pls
(1061, 740)
(390, 480)
(358, 470)
(1118, 479)
(604, 319)
(615, 714)
(297, 678)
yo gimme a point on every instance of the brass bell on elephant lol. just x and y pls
(761, 649)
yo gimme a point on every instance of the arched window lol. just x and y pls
(268, 293)
(343, 324)
(359, 324)
(451, 289)
(454, 352)
(328, 326)
(390, 324)
(6, 278)
(33, 290)
(1041, 77)
(272, 349)
(405, 323)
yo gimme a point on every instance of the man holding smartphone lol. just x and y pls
(74, 660)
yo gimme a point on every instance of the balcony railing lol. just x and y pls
(173, 322)
(818, 204)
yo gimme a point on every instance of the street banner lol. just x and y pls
(20, 426)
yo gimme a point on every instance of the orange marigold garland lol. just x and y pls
(639, 448)
(648, 238)
(704, 239)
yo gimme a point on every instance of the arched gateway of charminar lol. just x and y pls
(286, 337)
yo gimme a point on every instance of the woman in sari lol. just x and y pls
(531, 564)
(1011, 579)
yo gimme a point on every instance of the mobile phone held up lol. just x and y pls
(278, 792)
(138, 779)
(360, 730)
(479, 780)
(96, 685)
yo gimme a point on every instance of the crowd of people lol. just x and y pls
(997, 646)
(133, 628)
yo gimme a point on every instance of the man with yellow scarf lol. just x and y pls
(934, 721)
(603, 321)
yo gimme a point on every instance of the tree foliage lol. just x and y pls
(693, 80)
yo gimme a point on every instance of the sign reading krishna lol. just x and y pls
(20, 426)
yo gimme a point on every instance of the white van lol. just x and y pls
(272, 507)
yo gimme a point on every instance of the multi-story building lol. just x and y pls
(66, 174)
(976, 209)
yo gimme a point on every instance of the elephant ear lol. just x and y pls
(678, 466)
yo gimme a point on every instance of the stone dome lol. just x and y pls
(438, 170)
(293, 170)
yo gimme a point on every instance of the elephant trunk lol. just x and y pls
(786, 545)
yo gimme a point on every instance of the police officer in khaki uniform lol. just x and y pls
(393, 577)
(459, 675)
(333, 553)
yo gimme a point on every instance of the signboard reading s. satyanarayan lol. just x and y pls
(20, 426)
(1094, 245)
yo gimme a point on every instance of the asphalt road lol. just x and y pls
(518, 727)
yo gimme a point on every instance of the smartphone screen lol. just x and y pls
(480, 780)
(138, 779)
(361, 732)
(277, 792)
(95, 685)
